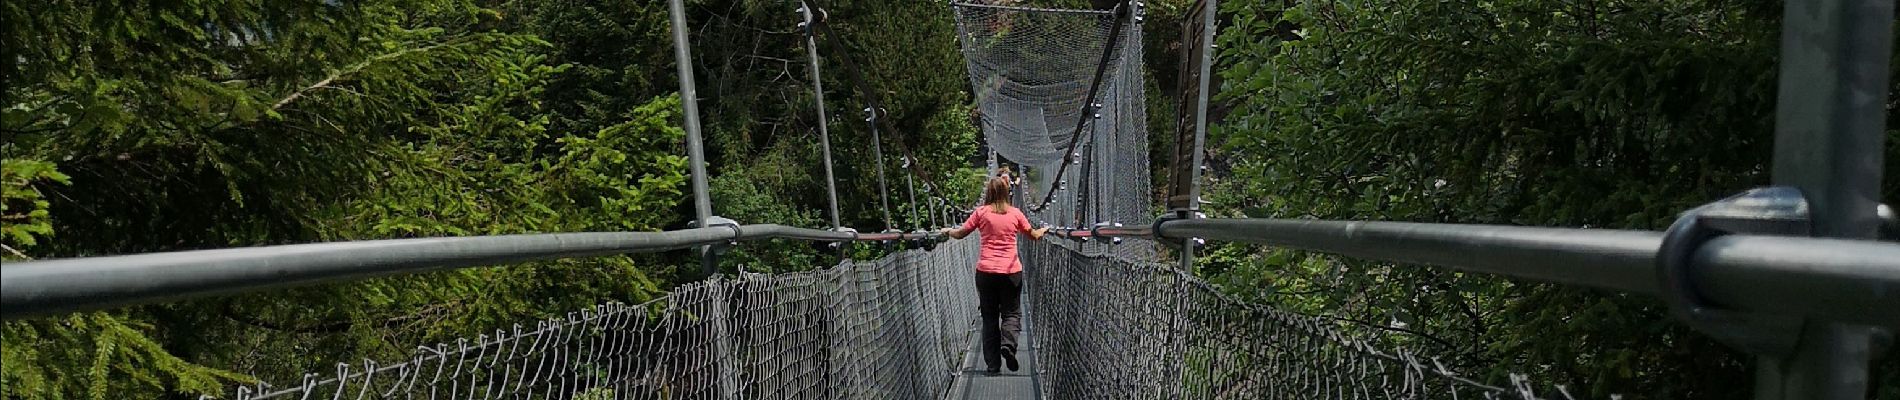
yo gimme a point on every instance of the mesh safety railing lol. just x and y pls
(1108, 327)
(884, 329)
(1032, 72)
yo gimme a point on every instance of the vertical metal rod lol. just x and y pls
(871, 109)
(991, 163)
(910, 184)
(1084, 189)
(1111, 164)
(1829, 127)
(877, 155)
(824, 125)
(931, 208)
(1200, 107)
(695, 149)
(1104, 158)
(1210, 8)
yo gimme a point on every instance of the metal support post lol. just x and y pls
(1829, 127)
(1111, 143)
(1208, 20)
(910, 185)
(824, 125)
(1085, 190)
(1104, 163)
(936, 208)
(877, 155)
(990, 161)
(695, 149)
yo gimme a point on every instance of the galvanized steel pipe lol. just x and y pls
(93, 283)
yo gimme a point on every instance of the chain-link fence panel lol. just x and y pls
(1109, 327)
(894, 327)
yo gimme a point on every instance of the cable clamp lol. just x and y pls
(805, 26)
(1775, 210)
(1095, 231)
(840, 244)
(1889, 223)
(809, 25)
(1174, 215)
(737, 233)
(924, 239)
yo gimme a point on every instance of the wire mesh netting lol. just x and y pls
(1108, 327)
(1031, 71)
(883, 329)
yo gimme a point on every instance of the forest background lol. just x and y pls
(140, 127)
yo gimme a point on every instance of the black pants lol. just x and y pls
(1000, 298)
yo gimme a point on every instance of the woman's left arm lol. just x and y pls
(1034, 233)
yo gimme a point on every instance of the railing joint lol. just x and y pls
(1889, 223)
(1181, 214)
(841, 244)
(717, 221)
(1775, 210)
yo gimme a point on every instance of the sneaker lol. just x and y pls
(993, 371)
(1009, 359)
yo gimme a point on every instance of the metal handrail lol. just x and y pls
(34, 288)
(1855, 281)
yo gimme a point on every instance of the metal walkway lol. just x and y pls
(975, 383)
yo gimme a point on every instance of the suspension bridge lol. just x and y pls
(1798, 274)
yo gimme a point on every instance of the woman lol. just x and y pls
(999, 274)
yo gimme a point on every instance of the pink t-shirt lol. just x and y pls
(998, 234)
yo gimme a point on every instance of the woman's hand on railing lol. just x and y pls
(1036, 234)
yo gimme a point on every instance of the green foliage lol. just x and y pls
(96, 356)
(1613, 114)
(237, 123)
(23, 209)
(603, 167)
(753, 201)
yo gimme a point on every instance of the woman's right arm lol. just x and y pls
(969, 225)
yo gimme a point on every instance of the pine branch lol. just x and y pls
(16, 253)
(346, 73)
